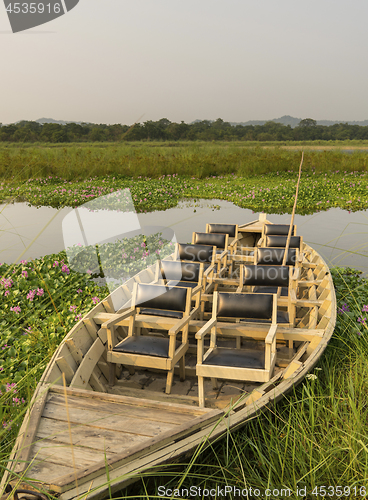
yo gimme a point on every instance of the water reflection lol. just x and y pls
(341, 237)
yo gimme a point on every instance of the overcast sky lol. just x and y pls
(115, 61)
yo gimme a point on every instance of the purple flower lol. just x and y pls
(65, 269)
(78, 317)
(16, 309)
(343, 309)
(40, 292)
(24, 274)
(365, 308)
(79, 290)
(31, 294)
(73, 308)
(362, 320)
(95, 300)
(55, 264)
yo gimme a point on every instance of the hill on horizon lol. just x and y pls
(284, 120)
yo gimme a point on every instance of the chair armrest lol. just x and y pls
(118, 317)
(222, 254)
(271, 334)
(234, 242)
(206, 328)
(179, 325)
(295, 273)
(209, 270)
(197, 289)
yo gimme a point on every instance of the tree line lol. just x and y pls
(164, 130)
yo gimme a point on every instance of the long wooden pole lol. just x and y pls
(292, 214)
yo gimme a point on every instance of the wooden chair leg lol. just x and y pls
(169, 381)
(182, 368)
(214, 384)
(112, 374)
(201, 391)
(130, 369)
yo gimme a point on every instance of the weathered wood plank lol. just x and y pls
(95, 439)
(66, 454)
(156, 443)
(30, 432)
(134, 401)
(123, 410)
(102, 420)
(88, 364)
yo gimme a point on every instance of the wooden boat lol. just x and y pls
(84, 437)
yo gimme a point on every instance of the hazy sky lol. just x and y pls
(112, 61)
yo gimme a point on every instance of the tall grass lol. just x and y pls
(199, 160)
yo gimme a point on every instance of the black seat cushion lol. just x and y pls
(195, 253)
(229, 229)
(161, 297)
(278, 229)
(280, 241)
(245, 305)
(236, 358)
(215, 239)
(162, 312)
(182, 271)
(274, 256)
(270, 289)
(261, 275)
(149, 346)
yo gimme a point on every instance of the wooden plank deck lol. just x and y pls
(94, 428)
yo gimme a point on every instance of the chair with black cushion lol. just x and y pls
(203, 254)
(278, 229)
(218, 240)
(157, 307)
(279, 280)
(240, 363)
(273, 256)
(279, 241)
(183, 274)
(186, 252)
(232, 230)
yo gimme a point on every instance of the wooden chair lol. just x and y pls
(186, 252)
(218, 240)
(279, 280)
(232, 230)
(237, 363)
(158, 307)
(183, 274)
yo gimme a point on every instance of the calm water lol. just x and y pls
(341, 237)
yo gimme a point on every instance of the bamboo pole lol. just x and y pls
(293, 214)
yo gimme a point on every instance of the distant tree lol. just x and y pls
(307, 122)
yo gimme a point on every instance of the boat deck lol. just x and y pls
(81, 429)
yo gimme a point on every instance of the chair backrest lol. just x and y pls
(273, 240)
(230, 229)
(246, 305)
(218, 240)
(195, 253)
(278, 229)
(273, 256)
(161, 297)
(180, 271)
(255, 275)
